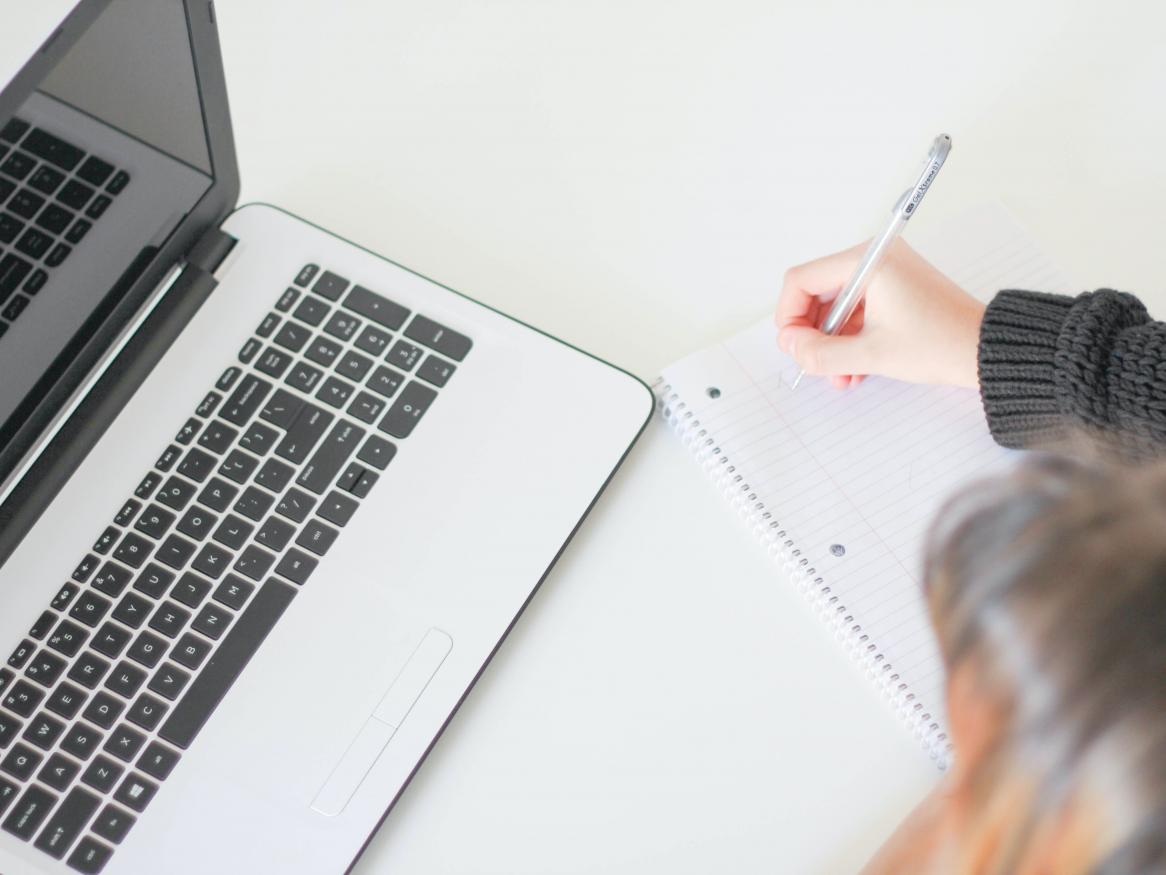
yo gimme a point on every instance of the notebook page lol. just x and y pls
(854, 478)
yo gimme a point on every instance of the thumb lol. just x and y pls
(824, 354)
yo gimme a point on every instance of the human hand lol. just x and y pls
(913, 324)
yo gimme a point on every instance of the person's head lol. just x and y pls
(1047, 589)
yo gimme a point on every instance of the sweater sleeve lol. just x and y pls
(1052, 365)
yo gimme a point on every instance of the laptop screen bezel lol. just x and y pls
(55, 390)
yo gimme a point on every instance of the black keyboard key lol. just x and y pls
(148, 485)
(85, 568)
(95, 171)
(273, 362)
(317, 537)
(67, 822)
(75, 194)
(154, 580)
(148, 649)
(335, 392)
(113, 824)
(275, 534)
(192, 650)
(175, 552)
(90, 856)
(34, 243)
(247, 352)
(124, 743)
(232, 592)
(13, 270)
(323, 351)
(102, 774)
(377, 452)
(197, 523)
(155, 521)
(88, 670)
(282, 409)
(337, 508)
(128, 511)
(341, 325)
(120, 180)
(190, 590)
(385, 381)
(232, 656)
(233, 531)
(10, 227)
(8, 792)
(170, 681)
(330, 285)
(254, 562)
(16, 128)
(212, 560)
(306, 273)
(64, 595)
(110, 640)
(77, 233)
(373, 340)
(295, 505)
(169, 619)
(35, 282)
(259, 438)
(25, 204)
(238, 466)
(22, 762)
(286, 299)
(18, 165)
(97, 209)
(67, 638)
(66, 701)
(43, 731)
(376, 307)
(125, 680)
(58, 772)
(158, 761)
(43, 625)
(206, 407)
(15, 308)
(435, 371)
(296, 566)
(341, 442)
(132, 610)
(218, 436)
(9, 727)
(52, 149)
(111, 579)
(304, 433)
(292, 336)
(274, 475)
(135, 792)
(312, 310)
(404, 355)
(212, 621)
(218, 494)
(45, 668)
(6, 676)
(29, 812)
(103, 711)
(133, 550)
(354, 366)
(55, 219)
(188, 431)
(407, 410)
(304, 377)
(245, 400)
(176, 493)
(438, 338)
(254, 503)
(269, 324)
(90, 609)
(198, 465)
(81, 741)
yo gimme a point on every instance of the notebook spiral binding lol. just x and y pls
(784, 553)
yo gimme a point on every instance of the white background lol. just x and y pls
(634, 177)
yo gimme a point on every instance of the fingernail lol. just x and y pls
(785, 341)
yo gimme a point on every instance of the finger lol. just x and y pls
(814, 282)
(823, 354)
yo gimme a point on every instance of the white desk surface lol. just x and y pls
(634, 177)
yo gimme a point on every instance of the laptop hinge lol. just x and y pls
(211, 249)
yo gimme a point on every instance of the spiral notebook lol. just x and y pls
(840, 487)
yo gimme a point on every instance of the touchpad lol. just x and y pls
(379, 729)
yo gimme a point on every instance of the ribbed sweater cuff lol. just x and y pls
(1018, 339)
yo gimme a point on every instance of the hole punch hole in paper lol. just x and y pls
(713, 392)
(837, 550)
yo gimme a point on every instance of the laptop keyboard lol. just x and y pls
(51, 193)
(128, 662)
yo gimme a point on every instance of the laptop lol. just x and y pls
(269, 502)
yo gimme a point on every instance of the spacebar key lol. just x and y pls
(227, 662)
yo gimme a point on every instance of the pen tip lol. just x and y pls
(797, 380)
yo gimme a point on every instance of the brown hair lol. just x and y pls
(1050, 584)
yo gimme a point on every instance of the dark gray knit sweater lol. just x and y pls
(1051, 364)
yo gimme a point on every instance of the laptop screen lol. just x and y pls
(97, 169)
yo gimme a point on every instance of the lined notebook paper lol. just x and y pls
(841, 487)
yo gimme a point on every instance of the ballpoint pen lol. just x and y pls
(905, 207)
